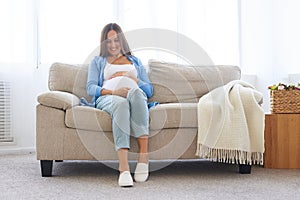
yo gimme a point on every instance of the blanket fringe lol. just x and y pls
(230, 156)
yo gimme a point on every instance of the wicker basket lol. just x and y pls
(285, 101)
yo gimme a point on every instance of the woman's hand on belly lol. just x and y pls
(122, 92)
(124, 73)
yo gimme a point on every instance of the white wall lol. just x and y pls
(27, 82)
(270, 42)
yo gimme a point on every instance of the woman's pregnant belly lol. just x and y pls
(119, 82)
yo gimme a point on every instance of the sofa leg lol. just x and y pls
(244, 169)
(46, 168)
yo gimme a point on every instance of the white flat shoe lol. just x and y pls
(125, 179)
(141, 172)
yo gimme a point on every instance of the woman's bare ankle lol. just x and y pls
(123, 160)
(124, 168)
(143, 158)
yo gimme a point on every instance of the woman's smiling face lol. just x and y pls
(113, 44)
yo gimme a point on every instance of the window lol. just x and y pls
(69, 30)
(17, 32)
(213, 24)
(47, 31)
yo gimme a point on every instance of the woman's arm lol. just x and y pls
(92, 87)
(144, 82)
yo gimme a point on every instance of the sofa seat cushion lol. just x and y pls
(170, 115)
(88, 118)
(173, 115)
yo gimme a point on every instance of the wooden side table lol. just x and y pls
(282, 141)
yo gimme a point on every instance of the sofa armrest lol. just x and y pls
(58, 99)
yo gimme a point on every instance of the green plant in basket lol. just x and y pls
(282, 86)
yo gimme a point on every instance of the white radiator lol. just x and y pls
(5, 112)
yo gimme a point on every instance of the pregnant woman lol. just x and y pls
(120, 86)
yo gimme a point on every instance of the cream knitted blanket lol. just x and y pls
(231, 124)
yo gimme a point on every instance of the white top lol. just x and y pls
(119, 81)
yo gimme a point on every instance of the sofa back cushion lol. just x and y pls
(69, 78)
(174, 83)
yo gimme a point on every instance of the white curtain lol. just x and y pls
(270, 42)
(17, 35)
(212, 24)
(45, 31)
(69, 30)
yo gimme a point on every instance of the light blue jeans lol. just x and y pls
(128, 114)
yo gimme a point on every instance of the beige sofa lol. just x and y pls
(65, 130)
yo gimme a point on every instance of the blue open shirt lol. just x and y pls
(96, 77)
